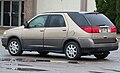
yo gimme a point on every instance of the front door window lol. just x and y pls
(38, 22)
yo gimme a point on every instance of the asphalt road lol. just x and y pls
(32, 62)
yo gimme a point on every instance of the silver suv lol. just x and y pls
(73, 33)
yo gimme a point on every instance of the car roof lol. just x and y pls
(44, 13)
(72, 12)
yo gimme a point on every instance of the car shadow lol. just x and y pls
(33, 57)
(63, 58)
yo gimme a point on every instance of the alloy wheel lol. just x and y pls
(72, 50)
(14, 47)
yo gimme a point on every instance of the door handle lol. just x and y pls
(10, 14)
(64, 30)
(41, 30)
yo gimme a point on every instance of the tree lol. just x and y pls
(101, 6)
(107, 7)
(118, 15)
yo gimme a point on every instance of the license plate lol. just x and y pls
(104, 30)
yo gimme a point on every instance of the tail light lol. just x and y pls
(113, 29)
(96, 29)
(91, 29)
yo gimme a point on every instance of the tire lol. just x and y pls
(102, 55)
(43, 53)
(72, 50)
(14, 47)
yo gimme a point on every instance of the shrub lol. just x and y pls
(107, 7)
(118, 15)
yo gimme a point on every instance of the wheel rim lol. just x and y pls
(13, 47)
(71, 51)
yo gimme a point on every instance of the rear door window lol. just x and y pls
(56, 21)
(98, 20)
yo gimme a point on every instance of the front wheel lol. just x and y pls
(14, 47)
(72, 50)
(101, 55)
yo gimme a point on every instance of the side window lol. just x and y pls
(56, 21)
(38, 22)
(78, 19)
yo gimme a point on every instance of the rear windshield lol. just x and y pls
(98, 20)
(78, 18)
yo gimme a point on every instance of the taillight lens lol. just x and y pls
(87, 29)
(91, 29)
(113, 29)
(95, 29)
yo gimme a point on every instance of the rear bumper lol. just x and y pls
(88, 46)
(100, 48)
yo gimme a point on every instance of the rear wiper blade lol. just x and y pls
(101, 25)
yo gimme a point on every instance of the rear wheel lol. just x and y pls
(72, 50)
(101, 55)
(14, 47)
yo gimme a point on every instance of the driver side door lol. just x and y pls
(32, 36)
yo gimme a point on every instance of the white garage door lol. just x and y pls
(58, 5)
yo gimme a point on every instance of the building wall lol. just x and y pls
(83, 5)
(58, 5)
(65, 5)
(34, 7)
(91, 5)
(29, 9)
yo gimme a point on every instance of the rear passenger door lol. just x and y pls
(55, 32)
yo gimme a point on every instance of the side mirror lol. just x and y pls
(26, 24)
